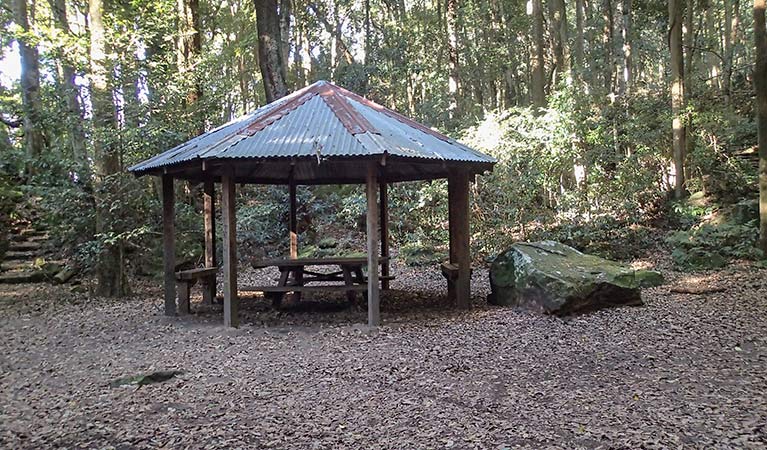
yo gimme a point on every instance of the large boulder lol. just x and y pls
(553, 278)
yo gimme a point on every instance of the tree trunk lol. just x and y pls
(34, 139)
(285, 13)
(607, 44)
(731, 21)
(269, 50)
(70, 91)
(625, 79)
(454, 80)
(189, 50)
(689, 47)
(578, 54)
(712, 60)
(558, 31)
(677, 94)
(538, 95)
(760, 85)
(110, 270)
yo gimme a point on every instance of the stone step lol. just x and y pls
(28, 232)
(31, 238)
(16, 265)
(23, 276)
(21, 256)
(25, 246)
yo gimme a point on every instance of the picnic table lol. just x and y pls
(294, 276)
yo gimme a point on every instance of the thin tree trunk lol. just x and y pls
(70, 91)
(189, 50)
(689, 69)
(558, 31)
(538, 95)
(578, 54)
(454, 81)
(285, 14)
(607, 44)
(731, 21)
(34, 140)
(110, 271)
(677, 94)
(689, 46)
(760, 84)
(712, 59)
(368, 47)
(269, 50)
(626, 66)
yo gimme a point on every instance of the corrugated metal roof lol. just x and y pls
(323, 121)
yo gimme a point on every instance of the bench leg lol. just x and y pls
(183, 297)
(276, 298)
(451, 291)
(209, 291)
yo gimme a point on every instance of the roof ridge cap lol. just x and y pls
(354, 122)
(395, 115)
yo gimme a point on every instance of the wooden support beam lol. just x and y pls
(231, 301)
(169, 244)
(458, 198)
(374, 312)
(293, 225)
(384, 235)
(209, 213)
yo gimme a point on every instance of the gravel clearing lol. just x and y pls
(683, 371)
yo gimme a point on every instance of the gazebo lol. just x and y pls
(322, 134)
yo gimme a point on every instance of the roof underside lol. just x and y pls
(320, 134)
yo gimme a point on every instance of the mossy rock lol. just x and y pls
(420, 255)
(149, 378)
(552, 278)
(649, 278)
(327, 242)
(744, 212)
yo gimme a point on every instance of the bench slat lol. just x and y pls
(335, 288)
(193, 274)
(336, 261)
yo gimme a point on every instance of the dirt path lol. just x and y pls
(685, 371)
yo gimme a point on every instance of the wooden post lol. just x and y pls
(458, 198)
(374, 313)
(209, 213)
(384, 235)
(451, 221)
(169, 244)
(231, 301)
(293, 222)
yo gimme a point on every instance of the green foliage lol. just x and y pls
(419, 254)
(9, 197)
(709, 246)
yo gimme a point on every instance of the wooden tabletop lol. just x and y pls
(331, 261)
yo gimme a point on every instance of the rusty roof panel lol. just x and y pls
(312, 130)
(319, 121)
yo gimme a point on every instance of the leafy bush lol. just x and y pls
(9, 196)
(709, 245)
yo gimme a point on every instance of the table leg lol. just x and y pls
(298, 279)
(359, 275)
(351, 296)
(276, 297)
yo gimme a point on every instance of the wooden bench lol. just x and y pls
(450, 272)
(185, 279)
(275, 293)
(294, 276)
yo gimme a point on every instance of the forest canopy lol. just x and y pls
(610, 119)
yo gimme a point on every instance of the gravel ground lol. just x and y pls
(683, 371)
